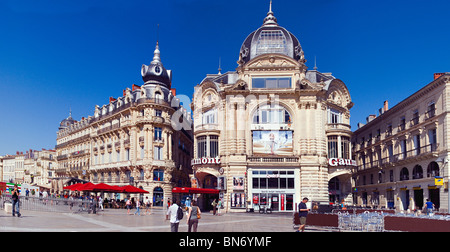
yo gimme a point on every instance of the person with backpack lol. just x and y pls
(176, 214)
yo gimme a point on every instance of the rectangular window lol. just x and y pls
(209, 117)
(271, 83)
(417, 144)
(214, 146)
(403, 148)
(332, 147)
(158, 134)
(158, 153)
(432, 139)
(255, 183)
(345, 147)
(334, 116)
(201, 147)
(291, 184)
(391, 152)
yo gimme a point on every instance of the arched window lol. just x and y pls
(433, 169)
(404, 174)
(158, 196)
(417, 172)
(271, 114)
(158, 96)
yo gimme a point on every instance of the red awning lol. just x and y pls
(194, 190)
(102, 187)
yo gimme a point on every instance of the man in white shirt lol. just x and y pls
(172, 212)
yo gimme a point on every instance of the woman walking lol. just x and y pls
(193, 216)
(128, 205)
(138, 207)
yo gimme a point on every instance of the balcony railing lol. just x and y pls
(418, 152)
(273, 159)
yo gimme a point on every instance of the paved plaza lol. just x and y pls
(117, 220)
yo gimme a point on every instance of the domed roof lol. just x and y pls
(67, 122)
(156, 73)
(270, 38)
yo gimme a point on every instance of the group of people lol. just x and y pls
(175, 214)
(217, 206)
(147, 203)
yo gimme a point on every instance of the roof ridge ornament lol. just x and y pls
(270, 20)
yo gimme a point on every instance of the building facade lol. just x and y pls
(403, 153)
(272, 132)
(142, 138)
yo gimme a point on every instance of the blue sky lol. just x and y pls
(60, 54)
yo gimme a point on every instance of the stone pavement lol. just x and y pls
(117, 220)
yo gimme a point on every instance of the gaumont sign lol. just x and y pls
(341, 162)
(205, 160)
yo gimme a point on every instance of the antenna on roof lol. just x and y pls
(315, 63)
(157, 34)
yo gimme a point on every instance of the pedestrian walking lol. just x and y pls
(302, 213)
(219, 207)
(172, 213)
(147, 204)
(193, 216)
(214, 205)
(430, 206)
(138, 207)
(15, 201)
(100, 202)
(128, 205)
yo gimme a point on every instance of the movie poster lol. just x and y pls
(272, 142)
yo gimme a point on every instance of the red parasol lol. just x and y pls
(85, 187)
(132, 189)
(105, 187)
(73, 187)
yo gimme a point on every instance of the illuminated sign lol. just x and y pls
(341, 162)
(205, 160)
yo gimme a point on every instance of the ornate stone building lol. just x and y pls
(272, 132)
(134, 139)
(403, 153)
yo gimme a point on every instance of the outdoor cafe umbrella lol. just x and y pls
(73, 187)
(132, 189)
(102, 187)
(85, 187)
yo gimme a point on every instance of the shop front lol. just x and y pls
(272, 188)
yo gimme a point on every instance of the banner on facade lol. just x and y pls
(272, 142)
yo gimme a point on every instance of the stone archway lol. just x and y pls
(340, 186)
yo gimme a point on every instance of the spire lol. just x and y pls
(157, 54)
(220, 69)
(270, 19)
